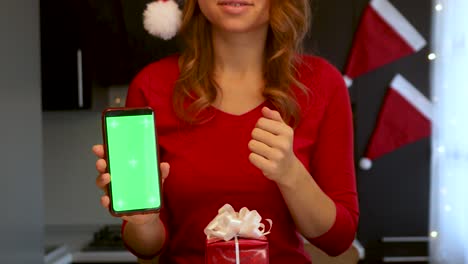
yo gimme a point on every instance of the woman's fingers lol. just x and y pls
(272, 114)
(102, 181)
(105, 201)
(164, 170)
(101, 165)
(98, 151)
(264, 136)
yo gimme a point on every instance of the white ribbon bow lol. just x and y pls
(229, 224)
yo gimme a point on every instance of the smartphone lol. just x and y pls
(130, 145)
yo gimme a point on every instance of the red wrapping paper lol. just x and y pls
(251, 251)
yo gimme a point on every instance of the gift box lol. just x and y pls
(236, 238)
(251, 251)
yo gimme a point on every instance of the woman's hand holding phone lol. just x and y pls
(103, 179)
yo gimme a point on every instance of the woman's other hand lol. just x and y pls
(271, 148)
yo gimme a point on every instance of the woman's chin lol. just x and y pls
(240, 28)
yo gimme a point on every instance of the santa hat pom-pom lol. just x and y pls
(365, 164)
(162, 19)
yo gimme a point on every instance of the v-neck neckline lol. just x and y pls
(253, 111)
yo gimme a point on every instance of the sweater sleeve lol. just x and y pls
(332, 167)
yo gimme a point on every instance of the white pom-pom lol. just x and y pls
(348, 81)
(162, 19)
(365, 164)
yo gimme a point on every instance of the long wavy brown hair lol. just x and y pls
(196, 88)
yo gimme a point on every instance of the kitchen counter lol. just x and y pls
(68, 243)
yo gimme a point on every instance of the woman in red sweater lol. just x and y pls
(244, 119)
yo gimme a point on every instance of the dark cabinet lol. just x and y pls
(66, 81)
(91, 44)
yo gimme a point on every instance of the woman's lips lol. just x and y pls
(234, 3)
(234, 7)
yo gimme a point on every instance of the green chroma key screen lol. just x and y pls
(133, 165)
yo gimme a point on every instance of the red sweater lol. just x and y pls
(210, 165)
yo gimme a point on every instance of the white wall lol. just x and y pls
(21, 194)
(71, 197)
